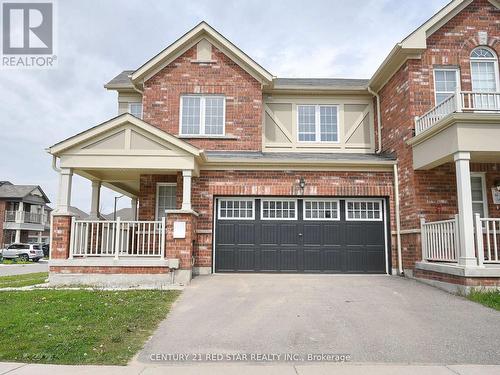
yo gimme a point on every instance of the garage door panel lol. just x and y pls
(375, 260)
(288, 234)
(356, 259)
(225, 233)
(246, 259)
(225, 259)
(288, 260)
(269, 259)
(326, 244)
(269, 234)
(312, 234)
(332, 234)
(245, 234)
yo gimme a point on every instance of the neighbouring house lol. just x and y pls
(24, 214)
(231, 169)
(125, 213)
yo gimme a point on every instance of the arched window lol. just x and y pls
(484, 70)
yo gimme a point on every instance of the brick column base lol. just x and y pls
(61, 232)
(181, 248)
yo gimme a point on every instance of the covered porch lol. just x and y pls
(464, 131)
(143, 248)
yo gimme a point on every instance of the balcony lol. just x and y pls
(26, 220)
(465, 122)
(469, 101)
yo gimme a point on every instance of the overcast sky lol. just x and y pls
(99, 38)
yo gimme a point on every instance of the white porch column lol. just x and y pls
(64, 193)
(134, 208)
(186, 189)
(20, 214)
(18, 236)
(95, 200)
(467, 256)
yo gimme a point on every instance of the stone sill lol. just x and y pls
(112, 262)
(194, 136)
(490, 270)
(192, 212)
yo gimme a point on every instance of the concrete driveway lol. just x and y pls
(20, 269)
(372, 318)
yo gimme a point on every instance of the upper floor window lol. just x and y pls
(446, 82)
(317, 123)
(484, 70)
(135, 109)
(202, 115)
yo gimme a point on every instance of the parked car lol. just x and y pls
(23, 251)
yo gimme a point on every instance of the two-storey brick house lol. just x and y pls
(231, 169)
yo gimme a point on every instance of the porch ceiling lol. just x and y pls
(124, 181)
(477, 133)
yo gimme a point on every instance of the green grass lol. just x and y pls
(17, 281)
(487, 298)
(14, 261)
(79, 326)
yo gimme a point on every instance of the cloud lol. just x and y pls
(98, 39)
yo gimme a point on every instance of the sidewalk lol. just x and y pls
(278, 369)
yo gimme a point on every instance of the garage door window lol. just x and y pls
(241, 209)
(321, 210)
(272, 209)
(363, 210)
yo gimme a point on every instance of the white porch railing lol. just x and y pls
(117, 238)
(440, 240)
(487, 239)
(469, 101)
(23, 217)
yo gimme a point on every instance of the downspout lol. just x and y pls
(398, 219)
(379, 120)
(54, 164)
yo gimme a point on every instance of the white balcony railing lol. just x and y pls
(469, 101)
(23, 217)
(117, 238)
(440, 240)
(487, 239)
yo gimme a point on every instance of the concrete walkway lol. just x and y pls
(374, 319)
(222, 369)
(21, 269)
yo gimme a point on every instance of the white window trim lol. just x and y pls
(158, 184)
(202, 115)
(278, 200)
(233, 200)
(486, 59)
(380, 205)
(317, 122)
(320, 200)
(457, 77)
(482, 175)
(130, 108)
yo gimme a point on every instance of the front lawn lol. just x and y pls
(79, 326)
(17, 281)
(487, 298)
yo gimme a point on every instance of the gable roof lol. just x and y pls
(116, 122)
(416, 42)
(10, 191)
(193, 36)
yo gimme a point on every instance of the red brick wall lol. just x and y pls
(161, 99)
(453, 279)
(181, 248)
(108, 269)
(410, 92)
(61, 231)
(220, 183)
